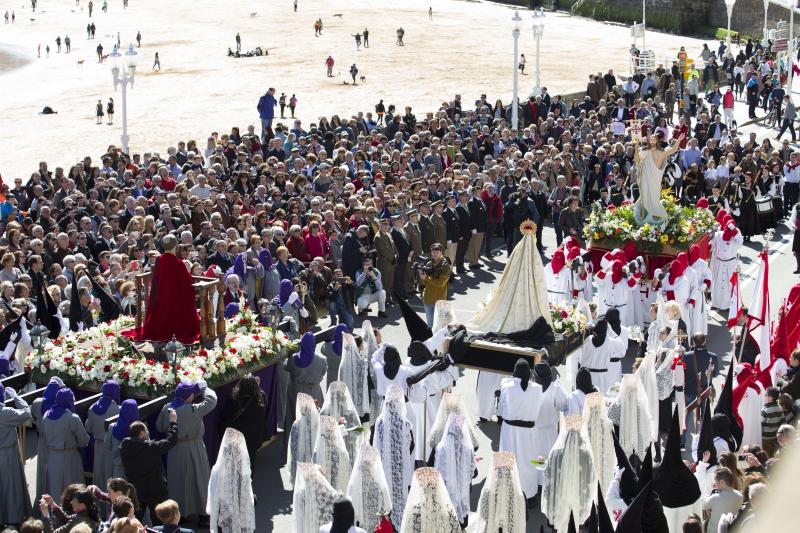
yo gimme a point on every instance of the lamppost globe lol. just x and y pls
(516, 21)
(116, 60)
(131, 58)
(539, 19)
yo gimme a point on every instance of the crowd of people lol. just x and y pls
(330, 219)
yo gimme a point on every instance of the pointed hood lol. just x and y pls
(616, 271)
(557, 263)
(337, 339)
(75, 307)
(182, 394)
(231, 310)
(725, 406)
(5, 334)
(674, 482)
(308, 345)
(604, 524)
(675, 271)
(571, 525)
(701, 203)
(265, 258)
(418, 353)
(706, 439)
(109, 307)
(721, 214)
(417, 328)
(683, 257)
(694, 254)
(630, 251)
(628, 480)
(631, 519)
(646, 469)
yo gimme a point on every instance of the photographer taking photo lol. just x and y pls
(434, 277)
(369, 289)
(340, 295)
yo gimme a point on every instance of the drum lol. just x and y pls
(766, 213)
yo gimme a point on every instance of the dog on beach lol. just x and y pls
(363, 79)
(337, 15)
(254, 13)
(80, 62)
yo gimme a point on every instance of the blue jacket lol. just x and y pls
(266, 106)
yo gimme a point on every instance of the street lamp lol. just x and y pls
(39, 335)
(174, 351)
(538, 31)
(729, 7)
(516, 22)
(123, 69)
(766, 31)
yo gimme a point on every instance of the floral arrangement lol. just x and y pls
(88, 358)
(684, 226)
(567, 320)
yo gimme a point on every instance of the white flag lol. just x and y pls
(758, 323)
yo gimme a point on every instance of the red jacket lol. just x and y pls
(297, 249)
(727, 100)
(494, 206)
(317, 246)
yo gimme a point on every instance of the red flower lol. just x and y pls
(68, 360)
(241, 362)
(47, 365)
(107, 369)
(564, 314)
(202, 352)
(256, 338)
(232, 349)
(110, 334)
(151, 380)
(125, 374)
(165, 366)
(27, 368)
(151, 361)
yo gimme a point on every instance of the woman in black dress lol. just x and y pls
(246, 410)
(110, 111)
(748, 212)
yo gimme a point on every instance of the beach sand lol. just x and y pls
(465, 49)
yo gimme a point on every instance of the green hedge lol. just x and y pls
(668, 20)
(722, 33)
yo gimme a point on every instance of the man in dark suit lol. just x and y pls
(464, 231)
(698, 361)
(522, 209)
(453, 228)
(221, 257)
(539, 199)
(144, 468)
(479, 220)
(620, 113)
(404, 252)
(426, 229)
(354, 247)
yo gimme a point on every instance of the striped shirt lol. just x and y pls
(771, 419)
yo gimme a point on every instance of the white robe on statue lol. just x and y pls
(524, 405)
(724, 261)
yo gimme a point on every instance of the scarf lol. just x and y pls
(305, 356)
(128, 414)
(65, 401)
(110, 393)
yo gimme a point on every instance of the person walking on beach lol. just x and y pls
(58, 44)
(91, 6)
(67, 43)
(110, 111)
(522, 64)
(138, 39)
(430, 13)
(238, 43)
(157, 62)
(295, 6)
(329, 65)
(282, 103)
(366, 38)
(354, 72)
(93, 30)
(99, 112)
(7, 16)
(39, 50)
(400, 33)
(47, 50)
(317, 27)
(292, 104)
(119, 45)
(380, 110)
(13, 16)
(99, 52)
(358, 41)
(105, 6)
(88, 31)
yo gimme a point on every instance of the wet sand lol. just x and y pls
(465, 49)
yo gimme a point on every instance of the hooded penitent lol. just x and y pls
(522, 370)
(673, 481)
(725, 407)
(305, 356)
(109, 393)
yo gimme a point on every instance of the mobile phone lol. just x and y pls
(742, 457)
(341, 279)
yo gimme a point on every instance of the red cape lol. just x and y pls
(787, 333)
(171, 308)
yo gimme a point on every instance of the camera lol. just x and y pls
(423, 264)
(341, 280)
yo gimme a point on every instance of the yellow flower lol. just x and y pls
(664, 239)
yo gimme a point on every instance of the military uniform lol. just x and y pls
(415, 240)
(427, 233)
(403, 269)
(439, 231)
(387, 260)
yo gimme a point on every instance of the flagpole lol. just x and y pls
(765, 253)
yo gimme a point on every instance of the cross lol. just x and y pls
(681, 336)
(635, 129)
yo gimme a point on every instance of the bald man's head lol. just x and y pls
(169, 242)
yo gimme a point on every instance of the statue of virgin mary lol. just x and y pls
(650, 164)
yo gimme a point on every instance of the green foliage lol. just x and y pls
(673, 21)
(722, 33)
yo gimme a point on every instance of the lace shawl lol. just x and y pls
(337, 405)
(353, 371)
(443, 315)
(634, 417)
(649, 378)
(230, 501)
(303, 434)
(312, 503)
(330, 453)
(393, 440)
(451, 403)
(456, 463)
(599, 430)
(368, 489)
(429, 508)
(569, 479)
(368, 346)
(502, 503)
